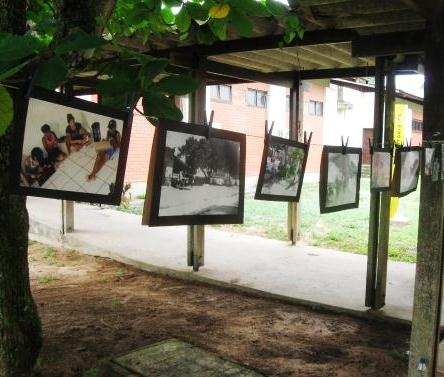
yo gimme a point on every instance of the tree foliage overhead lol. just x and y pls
(54, 55)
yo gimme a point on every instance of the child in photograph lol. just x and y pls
(36, 168)
(76, 135)
(51, 145)
(114, 138)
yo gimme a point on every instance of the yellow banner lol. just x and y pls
(401, 111)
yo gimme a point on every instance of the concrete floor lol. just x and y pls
(310, 275)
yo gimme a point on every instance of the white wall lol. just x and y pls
(349, 122)
(41, 112)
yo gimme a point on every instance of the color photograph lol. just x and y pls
(282, 170)
(67, 149)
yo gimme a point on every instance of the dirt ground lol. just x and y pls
(95, 308)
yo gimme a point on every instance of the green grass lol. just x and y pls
(344, 230)
(46, 279)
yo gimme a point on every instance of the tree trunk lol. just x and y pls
(20, 330)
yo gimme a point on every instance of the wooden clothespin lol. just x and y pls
(370, 145)
(209, 124)
(307, 141)
(268, 132)
(344, 146)
(30, 80)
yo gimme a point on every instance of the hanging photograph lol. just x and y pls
(442, 161)
(69, 148)
(428, 160)
(195, 177)
(381, 169)
(282, 170)
(339, 178)
(406, 174)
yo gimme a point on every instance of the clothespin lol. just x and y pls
(370, 145)
(309, 138)
(344, 146)
(268, 132)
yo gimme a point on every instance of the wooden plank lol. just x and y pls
(295, 125)
(337, 73)
(429, 267)
(196, 233)
(375, 197)
(384, 215)
(389, 44)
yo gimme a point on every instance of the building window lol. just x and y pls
(257, 98)
(221, 93)
(417, 125)
(316, 108)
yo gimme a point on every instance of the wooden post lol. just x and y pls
(295, 127)
(428, 281)
(384, 214)
(375, 197)
(196, 233)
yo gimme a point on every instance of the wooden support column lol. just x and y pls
(295, 126)
(428, 281)
(375, 197)
(384, 215)
(196, 233)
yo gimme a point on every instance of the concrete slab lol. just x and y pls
(312, 276)
(175, 358)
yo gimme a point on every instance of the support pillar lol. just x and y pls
(375, 197)
(428, 280)
(384, 214)
(196, 233)
(295, 127)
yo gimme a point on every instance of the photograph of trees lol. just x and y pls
(200, 176)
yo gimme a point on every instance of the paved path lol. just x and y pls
(269, 267)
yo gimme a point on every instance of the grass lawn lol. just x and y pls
(344, 230)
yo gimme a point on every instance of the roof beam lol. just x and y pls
(337, 73)
(409, 42)
(261, 43)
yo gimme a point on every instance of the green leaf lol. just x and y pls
(177, 85)
(150, 70)
(15, 47)
(242, 23)
(219, 28)
(197, 12)
(117, 86)
(167, 15)
(51, 73)
(293, 22)
(13, 70)
(251, 7)
(172, 3)
(6, 110)
(276, 8)
(118, 102)
(160, 106)
(183, 20)
(79, 41)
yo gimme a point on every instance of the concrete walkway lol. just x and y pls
(304, 274)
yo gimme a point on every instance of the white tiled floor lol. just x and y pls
(71, 173)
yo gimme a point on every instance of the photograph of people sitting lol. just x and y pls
(76, 135)
(114, 139)
(67, 157)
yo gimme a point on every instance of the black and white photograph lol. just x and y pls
(428, 160)
(282, 170)
(69, 148)
(381, 169)
(198, 177)
(442, 161)
(340, 178)
(407, 165)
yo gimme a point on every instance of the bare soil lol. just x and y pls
(95, 308)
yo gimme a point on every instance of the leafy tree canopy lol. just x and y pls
(53, 58)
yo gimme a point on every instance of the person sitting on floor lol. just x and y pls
(36, 168)
(76, 135)
(51, 145)
(114, 138)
